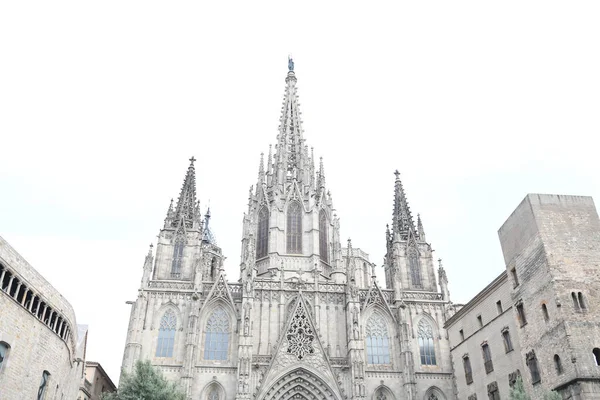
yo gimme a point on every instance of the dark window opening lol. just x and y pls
(499, 306)
(521, 313)
(533, 367)
(513, 272)
(462, 335)
(480, 321)
(262, 246)
(507, 341)
(596, 353)
(294, 228)
(558, 365)
(487, 358)
(468, 370)
(545, 313)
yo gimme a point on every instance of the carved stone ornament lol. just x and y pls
(300, 334)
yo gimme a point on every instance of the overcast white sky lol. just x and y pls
(102, 104)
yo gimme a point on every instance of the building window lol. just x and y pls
(512, 378)
(166, 334)
(213, 395)
(545, 312)
(487, 358)
(323, 250)
(558, 365)
(596, 353)
(262, 237)
(462, 335)
(533, 367)
(521, 313)
(468, 370)
(3, 353)
(426, 347)
(493, 393)
(216, 345)
(294, 228)
(480, 321)
(508, 347)
(43, 385)
(213, 268)
(378, 342)
(177, 258)
(499, 306)
(578, 302)
(513, 273)
(582, 304)
(414, 267)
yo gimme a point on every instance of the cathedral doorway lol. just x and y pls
(300, 384)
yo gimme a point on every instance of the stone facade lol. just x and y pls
(95, 382)
(307, 318)
(549, 295)
(39, 343)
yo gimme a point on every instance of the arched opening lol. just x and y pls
(216, 343)
(213, 268)
(545, 312)
(262, 237)
(383, 393)
(558, 364)
(43, 385)
(213, 391)
(323, 237)
(302, 384)
(378, 342)
(426, 345)
(596, 353)
(434, 393)
(166, 334)
(294, 228)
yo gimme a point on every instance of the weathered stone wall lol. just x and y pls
(34, 346)
(553, 243)
(494, 320)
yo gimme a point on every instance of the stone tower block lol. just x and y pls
(551, 247)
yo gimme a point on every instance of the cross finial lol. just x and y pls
(192, 159)
(397, 173)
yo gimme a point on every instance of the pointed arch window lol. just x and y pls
(426, 346)
(216, 345)
(323, 248)
(294, 228)
(213, 395)
(43, 385)
(414, 267)
(378, 342)
(177, 257)
(262, 237)
(166, 334)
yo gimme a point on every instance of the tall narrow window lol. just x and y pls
(521, 313)
(378, 342)
(468, 370)
(216, 344)
(596, 353)
(426, 347)
(581, 302)
(213, 268)
(533, 367)
(558, 365)
(262, 237)
(177, 258)
(323, 248)
(507, 341)
(3, 353)
(499, 307)
(515, 277)
(545, 313)
(43, 385)
(166, 334)
(294, 228)
(414, 267)
(487, 358)
(575, 302)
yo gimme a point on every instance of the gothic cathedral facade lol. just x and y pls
(307, 320)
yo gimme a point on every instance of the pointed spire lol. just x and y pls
(420, 230)
(261, 170)
(270, 161)
(290, 154)
(149, 258)
(208, 235)
(402, 218)
(185, 211)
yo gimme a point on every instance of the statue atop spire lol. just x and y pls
(290, 63)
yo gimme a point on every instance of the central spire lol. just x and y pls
(291, 157)
(402, 222)
(186, 212)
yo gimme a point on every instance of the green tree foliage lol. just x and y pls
(518, 391)
(145, 383)
(553, 395)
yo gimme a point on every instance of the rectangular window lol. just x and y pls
(468, 370)
(533, 367)
(521, 313)
(480, 321)
(493, 393)
(462, 335)
(499, 306)
(507, 342)
(487, 358)
(513, 273)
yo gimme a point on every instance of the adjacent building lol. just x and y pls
(95, 382)
(306, 319)
(540, 318)
(39, 353)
